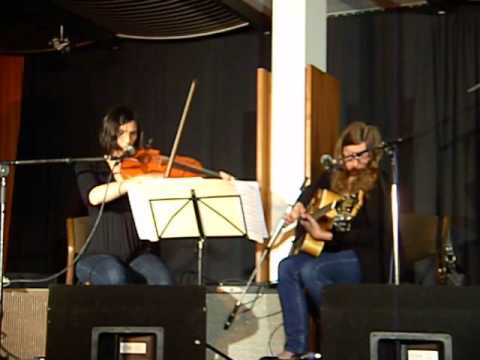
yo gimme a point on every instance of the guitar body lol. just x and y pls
(327, 209)
(311, 246)
(307, 243)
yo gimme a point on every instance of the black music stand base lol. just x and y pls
(218, 352)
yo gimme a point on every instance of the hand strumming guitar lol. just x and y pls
(314, 228)
(295, 214)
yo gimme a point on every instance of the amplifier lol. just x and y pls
(24, 325)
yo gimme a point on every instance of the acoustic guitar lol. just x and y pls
(331, 211)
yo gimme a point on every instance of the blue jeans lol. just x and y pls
(109, 270)
(304, 272)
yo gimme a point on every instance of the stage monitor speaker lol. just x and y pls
(350, 313)
(257, 329)
(24, 323)
(169, 320)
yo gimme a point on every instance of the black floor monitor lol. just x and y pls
(138, 322)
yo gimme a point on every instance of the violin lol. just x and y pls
(151, 161)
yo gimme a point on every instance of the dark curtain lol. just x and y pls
(66, 95)
(408, 73)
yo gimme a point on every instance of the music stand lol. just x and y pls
(204, 213)
(188, 208)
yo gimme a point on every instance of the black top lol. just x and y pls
(370, 232)
(116, 233)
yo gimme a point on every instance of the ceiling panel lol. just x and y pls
(35, 26)
(160, 20)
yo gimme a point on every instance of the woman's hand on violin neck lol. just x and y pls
(226, 176)
(314, 229)
(295, 213)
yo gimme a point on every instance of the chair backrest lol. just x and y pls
(422, 235)
(78, 229)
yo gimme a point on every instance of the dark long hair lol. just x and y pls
(354, 134)
(116, 117)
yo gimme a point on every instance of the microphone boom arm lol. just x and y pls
(278, 229)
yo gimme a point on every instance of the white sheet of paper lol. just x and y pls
(252, 203)
(225, 206)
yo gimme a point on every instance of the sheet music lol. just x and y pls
(139, 200)
(230, 208)
(252, 205)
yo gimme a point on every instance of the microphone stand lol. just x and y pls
(390, 149)
(273, 238)
(4, 172)
(395, 208)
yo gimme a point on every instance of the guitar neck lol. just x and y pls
(319, 213)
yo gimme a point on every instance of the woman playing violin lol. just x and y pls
(348, 256)
(115, 254)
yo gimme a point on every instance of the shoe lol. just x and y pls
(286, 355)
(309, 356)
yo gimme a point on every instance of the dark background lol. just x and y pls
(408, 72)
(65, 98)
(405, 71)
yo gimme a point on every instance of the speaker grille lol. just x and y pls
(24, 324)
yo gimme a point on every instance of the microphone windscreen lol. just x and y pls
(129, 151)
(327, 160)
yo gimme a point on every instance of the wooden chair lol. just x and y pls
(422, 238)
(78, 229)
(421, 234)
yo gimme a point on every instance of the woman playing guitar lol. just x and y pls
(351, 252)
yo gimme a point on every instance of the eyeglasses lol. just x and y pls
(363, 156)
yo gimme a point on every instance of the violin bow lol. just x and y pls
(173, 152)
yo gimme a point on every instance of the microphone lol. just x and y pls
(232, 315)
(129, 151)
(329, 162)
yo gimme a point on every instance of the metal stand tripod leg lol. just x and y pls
(265, 252)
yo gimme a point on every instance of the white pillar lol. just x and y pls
(298, 38)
